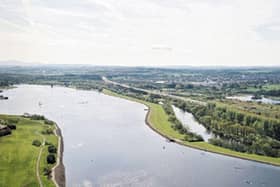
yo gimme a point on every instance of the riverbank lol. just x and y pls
(21, 160)
(58, 171)
(157, 120)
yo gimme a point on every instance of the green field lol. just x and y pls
(18, 156)
(159, 121)
(265, 87)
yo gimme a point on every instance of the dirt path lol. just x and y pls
(38, 161)
(58, 157)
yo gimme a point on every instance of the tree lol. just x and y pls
(52, 149)
(51, 159)
(36, 143)
(276, 130)
(248, 120)
(239, 117)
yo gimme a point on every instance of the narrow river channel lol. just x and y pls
(107, 143)
(188, 120)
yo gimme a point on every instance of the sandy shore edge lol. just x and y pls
(58, 171)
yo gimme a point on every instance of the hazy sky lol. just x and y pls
(141, 32)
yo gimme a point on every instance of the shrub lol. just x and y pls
(37, 117)
(12, 126)
(51, 159)
(52, 149)
(49, 122)
(47, 131)
(48, 143)
(47, 171)
(192, 137)
(5, 132)
(36, 143)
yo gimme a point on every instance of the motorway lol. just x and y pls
(106, 80)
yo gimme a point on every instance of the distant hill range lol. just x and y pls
(13, 63)
(18, 63)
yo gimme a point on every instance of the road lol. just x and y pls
(106, 80)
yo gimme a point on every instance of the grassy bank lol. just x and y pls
(18, 156)
(158, 121)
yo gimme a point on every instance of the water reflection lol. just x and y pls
(107, 143)
(188, 120)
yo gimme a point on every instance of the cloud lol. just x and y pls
(269, 31)
(129, 32)
(161, 47)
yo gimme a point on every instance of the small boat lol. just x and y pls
(248, 182)
(3, 97)
(169, 140)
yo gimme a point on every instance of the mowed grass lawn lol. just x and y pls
(159, 121)
(18, 156)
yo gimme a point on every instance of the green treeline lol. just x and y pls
(237, 130)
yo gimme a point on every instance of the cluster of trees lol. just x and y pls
(51, 158)
(47, 131)
(177, 125)
(237, 130)
(48, 122)
(4, 83)
(9, 125)
(153, 98)
(275, 93)
(5, 131)
(39, 117)
(260, 146)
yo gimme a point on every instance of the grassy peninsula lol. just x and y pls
(157, 119)
(21, 150)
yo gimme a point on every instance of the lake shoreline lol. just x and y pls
(186, 144)
(58, 171)
(180, 142)
(203, 146)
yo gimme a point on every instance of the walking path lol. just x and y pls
(58, 156)
(38, 161)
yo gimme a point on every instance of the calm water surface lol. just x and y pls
(249, 98)
(108, 144)
(188, 120)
